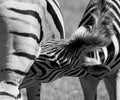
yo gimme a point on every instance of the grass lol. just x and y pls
(68, 88)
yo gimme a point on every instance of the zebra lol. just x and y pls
(24, 25)
(108, 55)
(69, 57)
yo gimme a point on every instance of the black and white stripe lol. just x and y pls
(23, 27)
(60, 58)
(108, 55)
(67, 57)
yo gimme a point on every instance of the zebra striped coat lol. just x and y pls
(24, 25)
(108, 55)
(65, 57)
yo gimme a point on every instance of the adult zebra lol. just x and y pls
(68, 57)
(24, 25)
(109, 55)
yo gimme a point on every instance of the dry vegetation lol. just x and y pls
(68, 88)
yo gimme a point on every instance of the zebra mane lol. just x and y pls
(71, 46)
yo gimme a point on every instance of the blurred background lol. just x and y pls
(68, 88)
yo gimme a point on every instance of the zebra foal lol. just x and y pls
(24, 25)
(108, 55)
(60, 58)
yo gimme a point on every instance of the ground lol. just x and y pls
(68, 88)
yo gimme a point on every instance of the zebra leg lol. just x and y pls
(89, 86)
(110, 83)
(33, 92)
